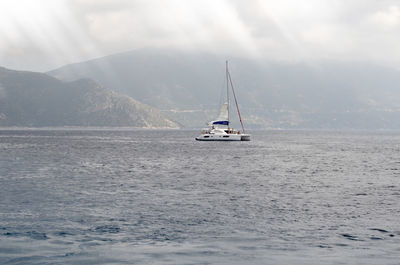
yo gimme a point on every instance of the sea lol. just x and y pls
(129, 196)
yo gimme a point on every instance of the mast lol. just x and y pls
(234, 95)
(227, 90)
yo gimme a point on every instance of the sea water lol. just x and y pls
(120, 196)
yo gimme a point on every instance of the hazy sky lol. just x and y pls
(44, 34)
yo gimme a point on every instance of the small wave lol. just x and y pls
(11, 234)
(379, 230)
(62, 233)
(107, 229)
(350, 237)
(376, 238)
(324, 246)
(37, 235)
(26, 260)
(32, 234)
(341, 244)
(61, 242)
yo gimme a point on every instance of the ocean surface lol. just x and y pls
(121, 196)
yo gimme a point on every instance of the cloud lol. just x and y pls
(40, 35)
(188, 25)
(388, 19)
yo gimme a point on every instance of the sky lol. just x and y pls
(41, 35)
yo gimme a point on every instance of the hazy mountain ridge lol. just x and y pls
(36, 99)
(187, 87)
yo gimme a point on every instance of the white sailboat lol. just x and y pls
(219, 129)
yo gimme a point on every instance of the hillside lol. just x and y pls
(36, 99)
(187, 87)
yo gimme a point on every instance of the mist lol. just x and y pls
(2, 92)
(43, 35)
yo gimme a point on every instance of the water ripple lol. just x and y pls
(159, 197)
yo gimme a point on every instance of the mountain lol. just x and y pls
(188, 86)
(37, 99)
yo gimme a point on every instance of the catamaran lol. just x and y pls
(219, 129)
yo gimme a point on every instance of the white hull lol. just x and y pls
(223, 137)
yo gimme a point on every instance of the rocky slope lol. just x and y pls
(37, 99)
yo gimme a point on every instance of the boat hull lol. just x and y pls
(223, 137)
(245, 137)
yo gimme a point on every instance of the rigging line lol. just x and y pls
(227, 91)
(234, 95)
